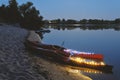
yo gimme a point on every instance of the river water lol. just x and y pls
(105, 41)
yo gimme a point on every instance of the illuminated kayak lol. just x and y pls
(86, 55)
(82, 62)
(90, 56)
(65, 51)
(77, 59)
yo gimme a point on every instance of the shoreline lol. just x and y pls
(17, 63)
(54, 70)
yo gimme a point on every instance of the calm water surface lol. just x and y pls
(106, 42)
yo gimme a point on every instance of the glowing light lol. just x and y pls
(73, 70)
(102, 63)
(84, 61)
(76, 52)
(87, 70)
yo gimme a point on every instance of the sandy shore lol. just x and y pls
(55, 71)
(16, 63)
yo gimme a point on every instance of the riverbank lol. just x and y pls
(16, 63)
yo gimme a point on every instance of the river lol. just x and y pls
(105, 41)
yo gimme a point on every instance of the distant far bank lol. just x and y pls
(83, 21)
(83, 26)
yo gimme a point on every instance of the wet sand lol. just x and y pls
(56, 71)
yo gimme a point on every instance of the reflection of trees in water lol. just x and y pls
(61, 27)
(117, 28)
(85, 26)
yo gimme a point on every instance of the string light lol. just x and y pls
(84, 61)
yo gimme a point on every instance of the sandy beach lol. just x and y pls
(16, 63)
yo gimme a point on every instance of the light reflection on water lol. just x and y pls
(97, 41)
(81, 69)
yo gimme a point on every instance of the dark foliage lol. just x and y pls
(26, 14)
(30, 16)
(117, 21)
(85, 21)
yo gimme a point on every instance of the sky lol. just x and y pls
(76, 9)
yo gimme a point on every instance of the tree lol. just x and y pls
(2, 11)
(26, 14)
(83, 21)
(13, 11)
(63, 21)
(24, 8)
(71, 21)
(30, 16)
(56, 21)
(117, 21)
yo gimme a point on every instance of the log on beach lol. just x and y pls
(33, 37)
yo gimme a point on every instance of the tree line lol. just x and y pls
(26, 14)
(91, 24)
(83, 21)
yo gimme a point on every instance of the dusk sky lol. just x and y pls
(76, 9)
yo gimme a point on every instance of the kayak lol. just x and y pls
(91, 64)
(86, 55)
(79, 59)
(68, 52)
